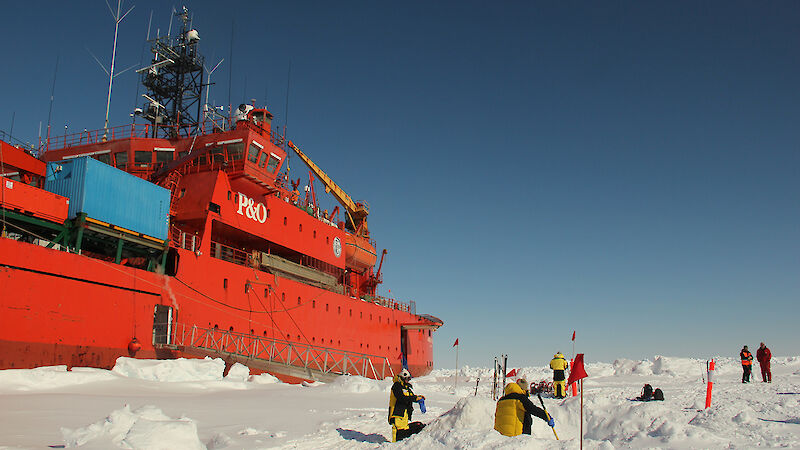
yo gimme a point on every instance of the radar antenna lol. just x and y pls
(174, 81)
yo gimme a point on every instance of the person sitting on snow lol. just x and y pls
(401, 407)
(512, 416)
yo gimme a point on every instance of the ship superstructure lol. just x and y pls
(184, 236)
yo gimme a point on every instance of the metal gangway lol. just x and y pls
(273, 355)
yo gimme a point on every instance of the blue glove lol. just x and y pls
(422, 405)
(551, 422)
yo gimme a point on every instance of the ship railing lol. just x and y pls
(391, 303)
(101, 135)
(185, 240)
(145, 130)
(278, 351)
(229, 254)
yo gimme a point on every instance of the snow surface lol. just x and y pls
(188, 404)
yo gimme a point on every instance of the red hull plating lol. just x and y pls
(62, 308)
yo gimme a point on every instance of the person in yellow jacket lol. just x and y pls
(559, 366)
(401, 407)
(512, 416)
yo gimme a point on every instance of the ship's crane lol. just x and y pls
(357, 212)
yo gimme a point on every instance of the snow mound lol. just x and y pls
(468, 413)
(357, 385)
(144, 428)
(50, 377)
(238, 372)
(660, 365)
(170, 370)
(263, 378)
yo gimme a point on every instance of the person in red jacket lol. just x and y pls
(763, 355)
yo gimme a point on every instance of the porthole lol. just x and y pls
(284, 221)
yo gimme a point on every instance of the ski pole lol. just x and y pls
(547, 413)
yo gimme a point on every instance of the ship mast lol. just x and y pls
(174, 81)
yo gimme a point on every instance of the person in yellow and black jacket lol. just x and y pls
(512, 416)
(559, 366)
(401, 407)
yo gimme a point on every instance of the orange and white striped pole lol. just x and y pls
(710, 382)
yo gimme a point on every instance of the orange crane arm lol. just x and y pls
(358, 213)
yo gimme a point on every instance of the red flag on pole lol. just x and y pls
(455, 343)
(513, 373)
(577, 371)
(573, 335)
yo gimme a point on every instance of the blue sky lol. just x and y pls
(629, 170)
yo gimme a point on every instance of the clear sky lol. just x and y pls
(629, 170)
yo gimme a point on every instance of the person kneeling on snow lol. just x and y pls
(649, 394)
(514, 409)
(401, 406)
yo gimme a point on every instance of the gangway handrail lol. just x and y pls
(314, 358)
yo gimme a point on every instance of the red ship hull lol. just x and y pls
(61, 308)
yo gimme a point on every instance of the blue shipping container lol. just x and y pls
(111, 195)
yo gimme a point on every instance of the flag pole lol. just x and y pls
(455, 386)
(581, 413)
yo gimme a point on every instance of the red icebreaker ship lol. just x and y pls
(184, 237)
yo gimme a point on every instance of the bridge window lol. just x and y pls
(104, 158)
(274, 160)
(263, 160)
(252, 155)
(121, 159)
(164, 154)
(216, 154)
(142, 159)
(235, 151)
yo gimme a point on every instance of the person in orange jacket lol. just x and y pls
(747, 364)
(763, 355)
